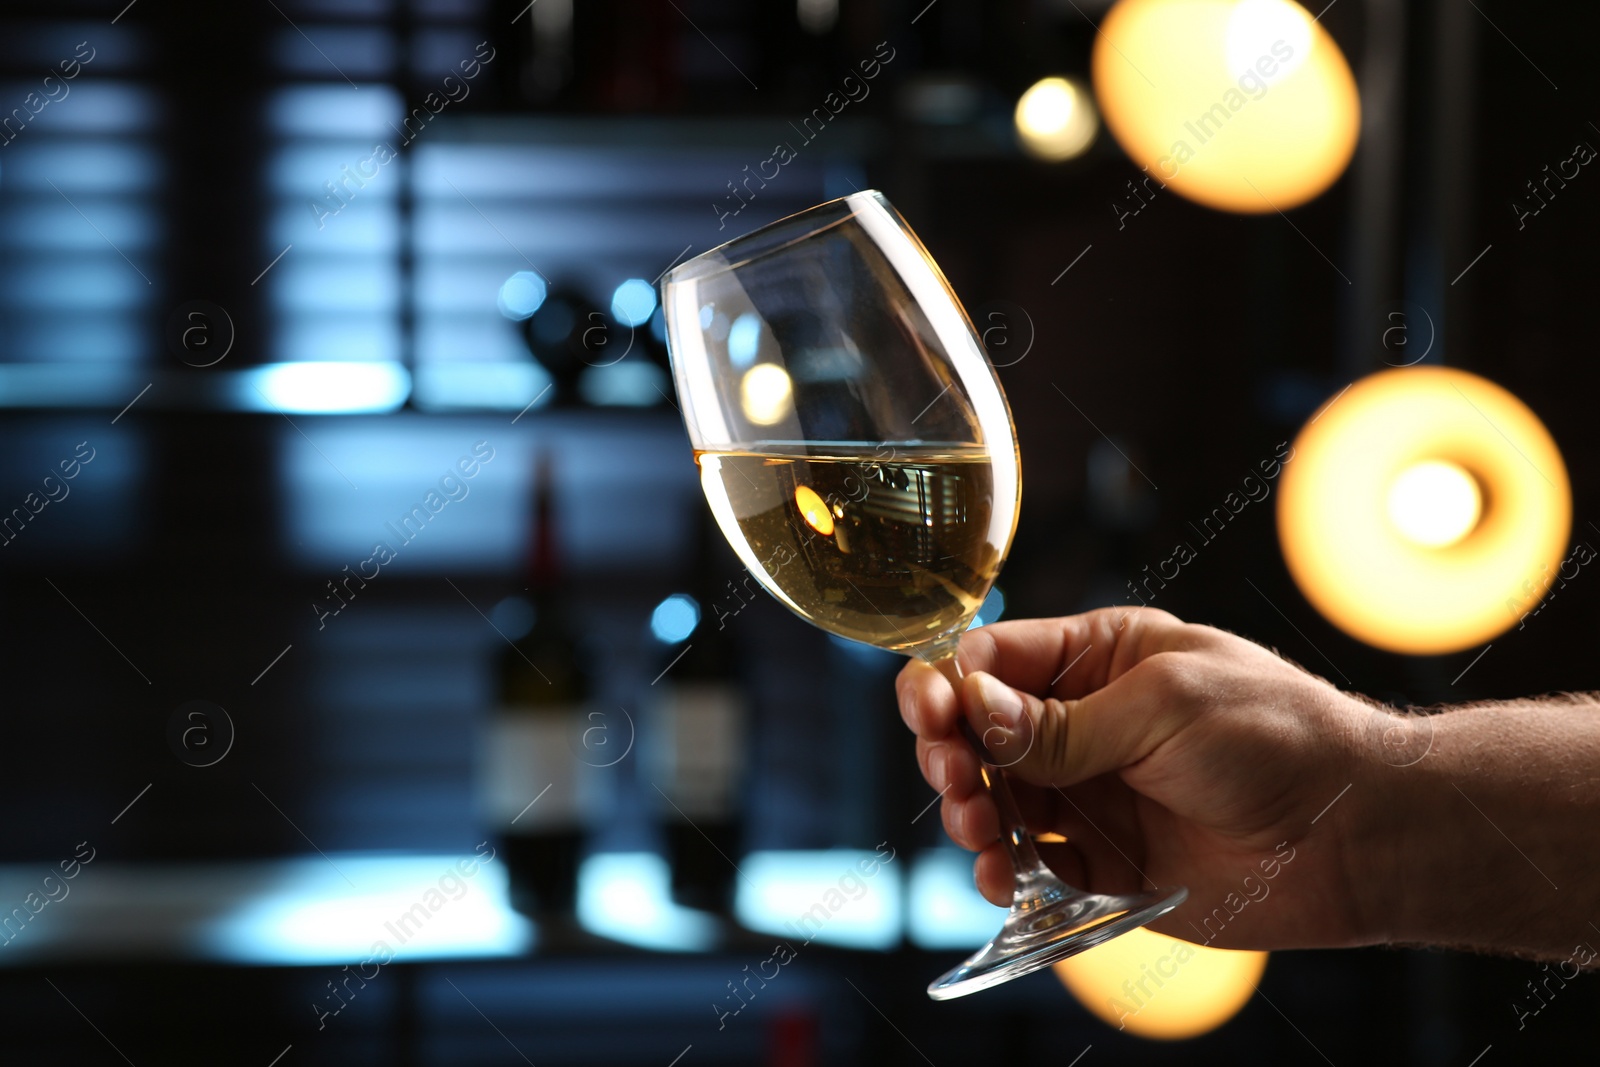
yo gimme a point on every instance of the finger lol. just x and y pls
(972, 823)
(1062, 742)
(993, 874)
(927, 702)
(949, 767)
(1072, 656)
(1066, 657)
(963, 773)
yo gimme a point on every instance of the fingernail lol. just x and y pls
(1001, 705)
(939, 765)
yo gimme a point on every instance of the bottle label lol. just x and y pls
(532, 780)
(703, 744)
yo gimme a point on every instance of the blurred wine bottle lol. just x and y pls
(702, 727)
(534, 774)
(626, 351)
(564, 334)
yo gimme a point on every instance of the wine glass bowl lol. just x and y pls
(844, 415)
(857, 451)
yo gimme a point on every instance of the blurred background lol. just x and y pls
(342, 316)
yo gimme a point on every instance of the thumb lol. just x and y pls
(1063, 742)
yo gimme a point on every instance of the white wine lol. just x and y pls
(895, 547)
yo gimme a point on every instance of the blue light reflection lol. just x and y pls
(744, 339)
(521, 294)
(627, 896)
(836, 897)
(994, 606)
(633, 302)
(323, 388)
(675, 618)
(947, 911)
(451, 385)
(337, 909)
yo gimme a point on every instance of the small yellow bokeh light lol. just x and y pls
(1160, 987)
(1056, 120)
(1420, 508)
(813, 509)
(766, 394)
(1241, 105)
(1434, 503)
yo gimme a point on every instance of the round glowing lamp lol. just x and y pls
(1055, 120)
(1241, 105)
(1421, 508)
(1160, 987)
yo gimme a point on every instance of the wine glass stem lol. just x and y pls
(1013, 834)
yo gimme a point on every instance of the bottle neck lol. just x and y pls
(544, 556)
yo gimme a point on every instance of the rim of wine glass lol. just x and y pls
(748, 247)
(761, 242)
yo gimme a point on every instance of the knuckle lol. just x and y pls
(949, 814)
(907, 699)
(910, 702)
(1171, 677)
(1158, 617)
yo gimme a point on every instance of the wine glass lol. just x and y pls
(858, 453)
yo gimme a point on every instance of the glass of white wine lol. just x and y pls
(858, 453)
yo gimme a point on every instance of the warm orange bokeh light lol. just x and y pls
(1376, 575)
(1241, 105)
(1157, 986)
(814, 509)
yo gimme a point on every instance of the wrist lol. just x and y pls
(1439, 875)
(1484, 841)
(1379, 838)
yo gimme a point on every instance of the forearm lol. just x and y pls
(1489, 840)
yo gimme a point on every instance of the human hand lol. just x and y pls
(1167, 754)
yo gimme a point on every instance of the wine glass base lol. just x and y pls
(1035, 938)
